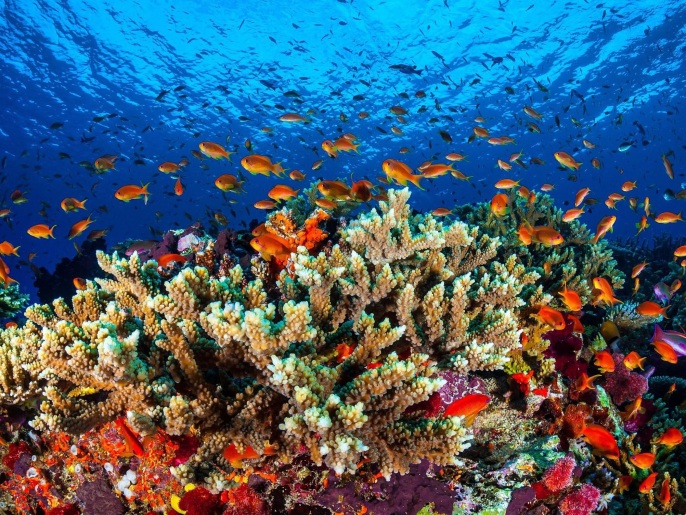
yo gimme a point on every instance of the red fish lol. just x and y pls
(468, 406)
(601, 440)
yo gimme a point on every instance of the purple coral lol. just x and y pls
(564, 346)
(623, 385)
(581, 501)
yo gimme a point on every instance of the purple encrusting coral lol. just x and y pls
(624, 385)
(564, 346)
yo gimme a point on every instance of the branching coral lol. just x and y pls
(12, 302)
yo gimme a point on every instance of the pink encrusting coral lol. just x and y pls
(582, 501)
(623, 385)
(559, 475)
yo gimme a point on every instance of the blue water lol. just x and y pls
(617, 68)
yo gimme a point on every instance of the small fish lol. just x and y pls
(228, 182)
(41, 231)
(400, 172)
(282, 192)
(670, 438)
(648, 483)
(79, 227)
(643, 461)
(265, 204)
(651, 309)
(604, 226)
(604, 362)
(165, 259)
(552, 317)
(468, 406)
(633, 360)
(602, 441)
(214, 150)
(566, 160)
(583, 382)
(132, 192)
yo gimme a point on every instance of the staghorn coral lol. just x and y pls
(12, 302)
(574, 263)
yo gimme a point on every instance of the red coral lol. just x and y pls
(67, 509)
(560, 474)
(188, 445)
(581, 501)
(623, 385)
(14, 453)
(200, 501)
(564, 347)
(245, 501)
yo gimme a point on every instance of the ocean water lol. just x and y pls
(147, 82)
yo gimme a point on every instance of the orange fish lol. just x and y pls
(334, 190)
(643, 461)
(633, 360)
(499, 205)
(588, 144)
(256, 164)
(604, 226)
(105, 163)
(79, 227)
(235, 458)
(453, 156)
(70, 204)
(296, 175)
(604, 362)
(506, 184)
(480, 132)
(648, 483)
(584, 382)
(4, 274)
(668, 166)
(552, 317)
(524, 232)
(317, 164)
(572, 214)
(265, 204)
(531, 112)
(503, 165)
(132, 192)
(680, 252)
(668, 218)
(282, 192)
(651, 309)
(566, 160)
(330, 148)
(503, 140)
(41, 231)
(595, 162)
(441, 211)
(665, 493)
(79, 283)
(523, 381)
(437, 170)
(547, 187)
(400, 172)
(178, 187)
(164, 260)
(269, 245)
(292, 118)
(468, 406)
(228, 182)
(601, 440)
(129, 437)
(571, 299)
(343, 351)
(168, 167)
(628, 185)
(214, 150)
(642, 225)
(633, 409)
(670, 438)
(638, 269)
(624, 483)
(580, 196)
(6, 248)
(345, 145)
(361, 191)
(325, 203)
(547, 236)
(666, 351)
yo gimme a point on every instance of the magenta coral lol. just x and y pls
(623, 385)
(560, 474)
(564, 348)
(581, 501)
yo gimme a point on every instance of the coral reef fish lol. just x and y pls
(506, 184)
(330, 148)
(662, 292)
(601, 440)
(227, 182)
(214, 150)
(644, 460)
(468, 406)
(634, 360)
(604, 362)
(132, 192)
(674, 339)
(17, 197)
(572, 214)
(580, 196)
(642, 225)
(257, 164)
(668, 166)
(670, 438)
(79, 227)
(666, 352)
(70, 204)
(400, 172)
(293, 118)
(584, 382)
(269, 245)
(668, 218)
(345, 145)
(282, 192)
(6, 249)
(104, 163)
(624, 483)
(552, 317)
(41, 231)
(566, 160)
(571, 299)
(178, 187)
(665, 493)
(547, 236)
(638, 269)
(532, 112)
(648, 483)
(236, 458)
(651, 309)
(634, 409)
(604, 226)
(334, 190)
(406, 69)
(361, 191)
(4, 274)
(79, 283)
(523, 380)
(164, 260)
(129, 437)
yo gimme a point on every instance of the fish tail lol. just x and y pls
(415, 180)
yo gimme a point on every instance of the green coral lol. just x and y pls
(12, 302)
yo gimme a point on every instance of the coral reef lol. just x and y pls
(12, 301)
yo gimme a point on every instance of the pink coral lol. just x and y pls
(581, 501)
(560, 474)
(623, 385)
